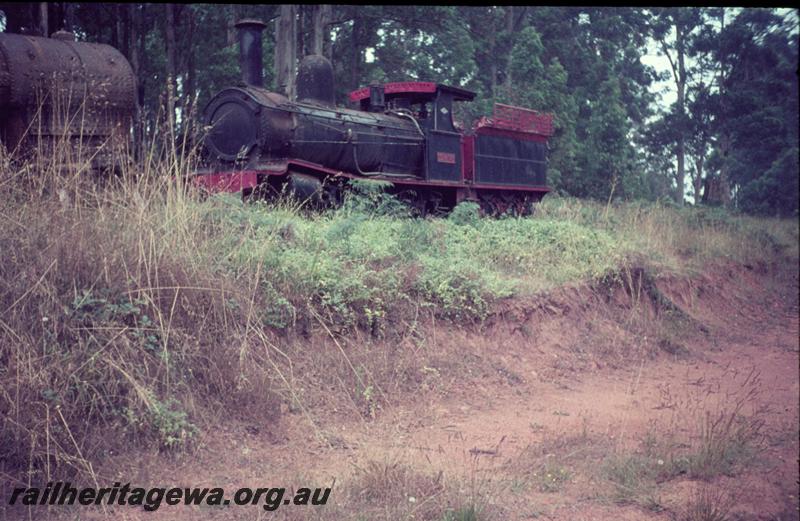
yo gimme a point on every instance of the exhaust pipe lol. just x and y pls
(250, 55)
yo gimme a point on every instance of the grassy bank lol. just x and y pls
(360, 267)
(132, 308)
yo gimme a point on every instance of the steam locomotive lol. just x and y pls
(261, 141)
(403, 133)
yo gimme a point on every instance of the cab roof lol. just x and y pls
(416, 90)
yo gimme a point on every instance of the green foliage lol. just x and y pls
(90, 309)
(458, 289)
(544, 88)
(172, 424)
(368, 197)
(465, 213)
(739, 130)
(633, 478)
(552, 478)
(356, 266)
(775, 192)
(279, 311)
(361, 266)
(606, 161)
(141, 310)
(758, 112)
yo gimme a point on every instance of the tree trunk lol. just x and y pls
(171, 68)
(724, 176)
(69, 16)
(680, 176)
(681, 84)
(698, 177)
(321, 19)
(286, 50)
(146, 23)
(133, 47)
(123, 15)
(189, 94)
(510, 29)
(117, 31)
(355, 66)
(711, 190)
(232, 36)
(303, 14)
(493, 66)
(141, 21)
(43, 25)
(725, 139)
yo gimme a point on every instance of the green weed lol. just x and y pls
(551, 478)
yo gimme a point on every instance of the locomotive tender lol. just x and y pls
(402, 133)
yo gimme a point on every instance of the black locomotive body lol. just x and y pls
(403, 133)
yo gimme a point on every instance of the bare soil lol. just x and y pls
(534, 405)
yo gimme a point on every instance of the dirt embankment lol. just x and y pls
(635, 398)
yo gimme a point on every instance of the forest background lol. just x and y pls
(729, 137)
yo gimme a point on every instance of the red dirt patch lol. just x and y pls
(521, 417)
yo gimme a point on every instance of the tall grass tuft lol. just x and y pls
(116, 327)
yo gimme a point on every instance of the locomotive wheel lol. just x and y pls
(434, 205)
(331, 195)
(498, 205)
(415, 201)
(521, 206)
(492, 205)
(307, 189)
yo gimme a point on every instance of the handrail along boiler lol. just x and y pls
(400, 132)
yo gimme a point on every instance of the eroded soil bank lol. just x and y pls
(632, 399)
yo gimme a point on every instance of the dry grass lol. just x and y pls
(387, 488)
(709, 431)
(133, 309)
(725, 428)
(682, 240)
(115, 328)
(709, 503)
(633, 480)
(393, 490)
(108, 326)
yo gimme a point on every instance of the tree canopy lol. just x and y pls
(730, 137)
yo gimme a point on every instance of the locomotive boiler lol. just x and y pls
(56, 89)
(401, 132)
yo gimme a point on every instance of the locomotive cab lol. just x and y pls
(422, 98)
(431, 105)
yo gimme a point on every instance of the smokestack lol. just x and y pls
(250, 58)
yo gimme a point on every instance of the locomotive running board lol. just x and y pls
(236, 181)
